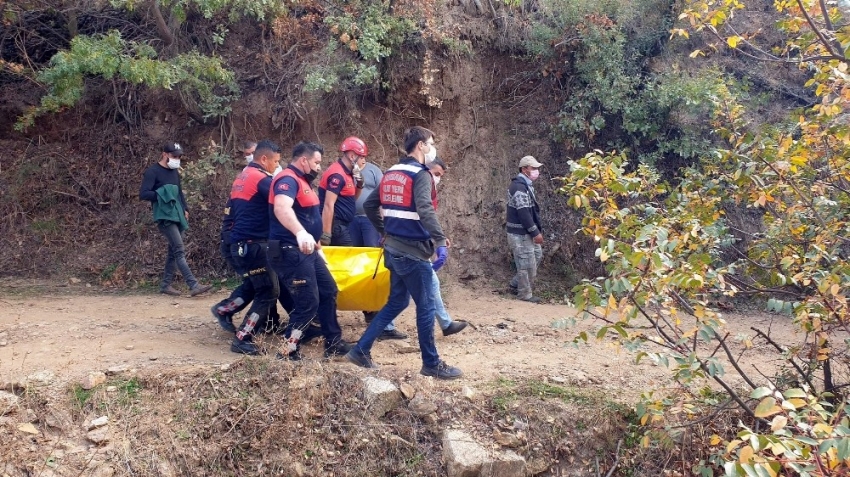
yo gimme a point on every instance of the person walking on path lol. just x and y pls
(525, 234)
(249, 197)
(412, 235)
(437, 169)
(161, 187)
(295, 231)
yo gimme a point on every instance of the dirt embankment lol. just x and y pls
(69, 185)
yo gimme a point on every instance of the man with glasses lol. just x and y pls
(412, 236)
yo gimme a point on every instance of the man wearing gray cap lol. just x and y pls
(525, 234)
(161, 187)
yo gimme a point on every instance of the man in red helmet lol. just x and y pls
(339, 189)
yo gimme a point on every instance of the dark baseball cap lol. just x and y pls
(173, 148)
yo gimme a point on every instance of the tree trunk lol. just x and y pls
(161, 25)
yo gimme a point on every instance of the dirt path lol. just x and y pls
(70, 334)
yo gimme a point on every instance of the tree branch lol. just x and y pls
(789, 359)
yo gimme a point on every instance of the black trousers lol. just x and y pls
(340, 234)
(312, 288)
(251, 262)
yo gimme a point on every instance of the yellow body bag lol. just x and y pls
(360, 275)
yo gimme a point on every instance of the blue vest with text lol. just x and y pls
(399, 204)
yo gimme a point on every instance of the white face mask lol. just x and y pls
(436, 180)
(431, 155)
(534, 174)
(249, 158)
(173, 163)
(277, 170)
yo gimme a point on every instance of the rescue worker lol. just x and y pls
(249, 239)
(525, 234)
(242, 295)
(412, 234)
(296, 228)
(339, 189)
(161, 187)
(438, 169)
(363, 233)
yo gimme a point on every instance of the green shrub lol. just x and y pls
(201, 79)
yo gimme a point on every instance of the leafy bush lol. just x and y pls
(201, 78)
(259, 9)
(662, 246)
(371, 33)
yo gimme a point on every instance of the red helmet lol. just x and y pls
(354, 144)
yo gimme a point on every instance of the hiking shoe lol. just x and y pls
(514, 290)
(170, 290)
(293, 356)
(272, 326)
(364, 360)
(531, 299)
(455, 327)
(198, 289)
(225, 321)
(441, 371)
(391, 335)
(368, 316)
(312, 332)
(340, 348)
(244, 347)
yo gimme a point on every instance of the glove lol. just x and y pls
(442, 256)
(306, 242)
(325, 239)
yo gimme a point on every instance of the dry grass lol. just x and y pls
(263, 417)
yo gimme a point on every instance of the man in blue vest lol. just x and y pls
(412, 236)
(296, 228)
(249, 197)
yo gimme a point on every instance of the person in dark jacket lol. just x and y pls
(402, 209)
(525, 234)
(159, 179)
(295, 232)
(249, 198)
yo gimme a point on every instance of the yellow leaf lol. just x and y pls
(603, 256)
(612, 302)
(745, 455)
(796, 402)
(767, 407)
(822, 429)
(28, 428)
(715, 439)
(577, 200)
(778, 422)
(732, 445)
(696, 53)
(644, 442)
(732, 41)
(834, 289)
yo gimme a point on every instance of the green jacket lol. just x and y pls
(167, 207)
